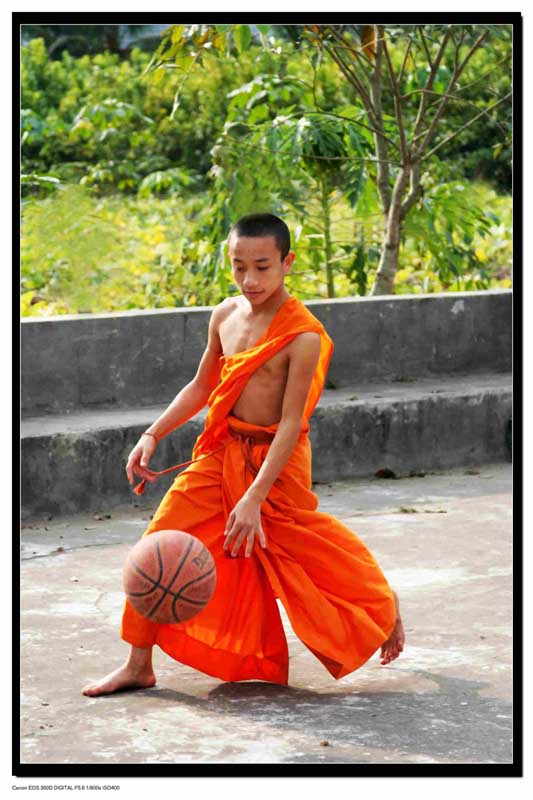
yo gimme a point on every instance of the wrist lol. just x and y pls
(151, 435)
(256, 494)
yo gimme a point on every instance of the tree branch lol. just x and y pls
(406, 54)
(397, 105)
(351, 76)
(359, 55)
(382, 171)
(320, 110)
(415, 190)
(362, 124)
(444, 101)
(457, 48)
(424, 43)
(439, 94)
(490, 71)
(429, 83)
(271, 151)
(467, 125)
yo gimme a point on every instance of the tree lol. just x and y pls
(403, 80)
(275, 152)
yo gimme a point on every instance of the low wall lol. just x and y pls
(141, 358)
(77, 463)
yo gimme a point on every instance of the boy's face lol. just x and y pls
(257, 266)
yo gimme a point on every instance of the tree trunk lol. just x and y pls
(388, 262)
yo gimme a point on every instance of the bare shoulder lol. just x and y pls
(306, 344)
(223, 310)
(305, 349)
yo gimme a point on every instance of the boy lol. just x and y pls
(248, 494)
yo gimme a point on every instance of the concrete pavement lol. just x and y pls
(444, 542)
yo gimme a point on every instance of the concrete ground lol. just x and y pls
(444, 542)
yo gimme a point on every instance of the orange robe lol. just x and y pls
(336, 597)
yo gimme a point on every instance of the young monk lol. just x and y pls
(247, 496)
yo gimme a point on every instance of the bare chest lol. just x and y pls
(273, 372)
(261, 399)
(237, 333)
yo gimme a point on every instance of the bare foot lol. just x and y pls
(122, 679)
(392, 648)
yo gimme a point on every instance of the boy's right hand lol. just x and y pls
(138, 459)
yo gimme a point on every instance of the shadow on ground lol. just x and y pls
(453, 723)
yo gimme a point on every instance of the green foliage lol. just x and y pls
(68, 249)
(81, 253)
(483, 151)
(95, 119)
(480, 151)
(459, 238)
(285, 162)
(243, 37)
(131, 183)
(169, 181)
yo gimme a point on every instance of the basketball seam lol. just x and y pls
(189, 600)
(195, 580)
(166, 590)
(156, 583)
(178, 595)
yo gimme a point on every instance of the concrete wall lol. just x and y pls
(78, 463)
(141, 358)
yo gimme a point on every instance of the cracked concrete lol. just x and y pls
(446, 700)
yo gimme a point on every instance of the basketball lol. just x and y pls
(169, 576)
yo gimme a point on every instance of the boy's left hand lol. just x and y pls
(244, 522)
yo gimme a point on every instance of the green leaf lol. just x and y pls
(501, 32)
(243, 37)
(219, 40)
(177, 33)
(258, 114)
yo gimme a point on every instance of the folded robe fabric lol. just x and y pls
(334, 593)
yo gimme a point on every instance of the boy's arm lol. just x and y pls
(245, 519)
(193, 397)
(304, 354)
